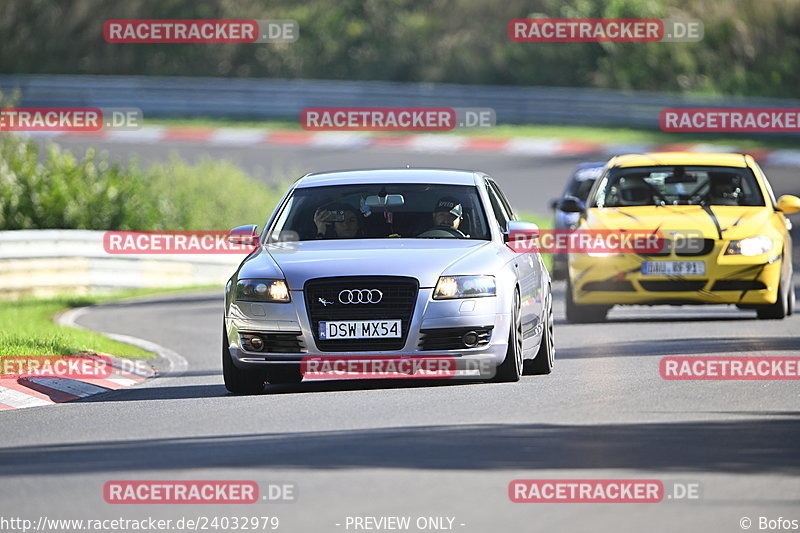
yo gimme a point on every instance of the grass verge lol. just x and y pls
(27, 326)
(544, 222)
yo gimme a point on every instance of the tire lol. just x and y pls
(584, 314)
(779, 309)
(284, 374)
(546, 356)
(510, 370)
(237, 380)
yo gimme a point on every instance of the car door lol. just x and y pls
(528, 266)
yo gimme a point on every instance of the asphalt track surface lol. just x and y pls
(405, 448)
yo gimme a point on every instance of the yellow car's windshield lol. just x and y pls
(678, 185)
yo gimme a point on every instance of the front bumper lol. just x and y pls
(292, 319)
(618, 279)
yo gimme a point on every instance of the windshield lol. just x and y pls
(378, 211)
(678, 185)
(580, 188)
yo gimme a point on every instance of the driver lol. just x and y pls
(448, 213)
(633, 192)
(447, 216)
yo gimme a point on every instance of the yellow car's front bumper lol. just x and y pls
(618, 279)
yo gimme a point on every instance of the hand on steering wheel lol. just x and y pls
(455, 232)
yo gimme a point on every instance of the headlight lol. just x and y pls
(464, 287)
(750, 246)
(262, 290)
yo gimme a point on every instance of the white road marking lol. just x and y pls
(525, 146)
(146, 135)
(20, 400)
(70, 386)
(437, 143)
(786, 158)
(238, 136)
(340, 139)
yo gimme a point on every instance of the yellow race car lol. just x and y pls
(724, 239)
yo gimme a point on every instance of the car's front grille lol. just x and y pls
(609, 286)
(738, 285)
(689, 247)
(452, 338)
(399, 296)
(695, 248)
(673, 285)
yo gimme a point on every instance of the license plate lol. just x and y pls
(674, 268)
(360, 329)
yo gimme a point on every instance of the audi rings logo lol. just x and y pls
(360, 296)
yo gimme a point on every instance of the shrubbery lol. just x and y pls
(51, 188)
(750, 47)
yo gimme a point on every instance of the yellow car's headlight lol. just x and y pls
(760, 244)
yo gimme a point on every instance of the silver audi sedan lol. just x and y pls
(387, 263)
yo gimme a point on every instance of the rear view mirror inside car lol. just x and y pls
(390, 200)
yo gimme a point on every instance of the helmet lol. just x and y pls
(633, 192)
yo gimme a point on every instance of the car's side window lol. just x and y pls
(497, 207)
(503, 201)
(767, 185)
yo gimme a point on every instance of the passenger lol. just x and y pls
(723, 190)
(337, 221)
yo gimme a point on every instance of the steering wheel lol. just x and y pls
(443, 231)
(655, 192)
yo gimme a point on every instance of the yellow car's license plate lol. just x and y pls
(674, 268)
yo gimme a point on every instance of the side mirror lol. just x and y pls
(554, 204)
(519, 230)
(570, 204)
(244, 235)
(788, 204)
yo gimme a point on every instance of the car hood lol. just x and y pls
(731, 222)
(423, 259)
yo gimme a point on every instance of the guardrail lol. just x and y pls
(279, 98)
(48, 262)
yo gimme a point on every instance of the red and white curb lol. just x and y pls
(26, 392)
(428, 143)
(22, 392)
